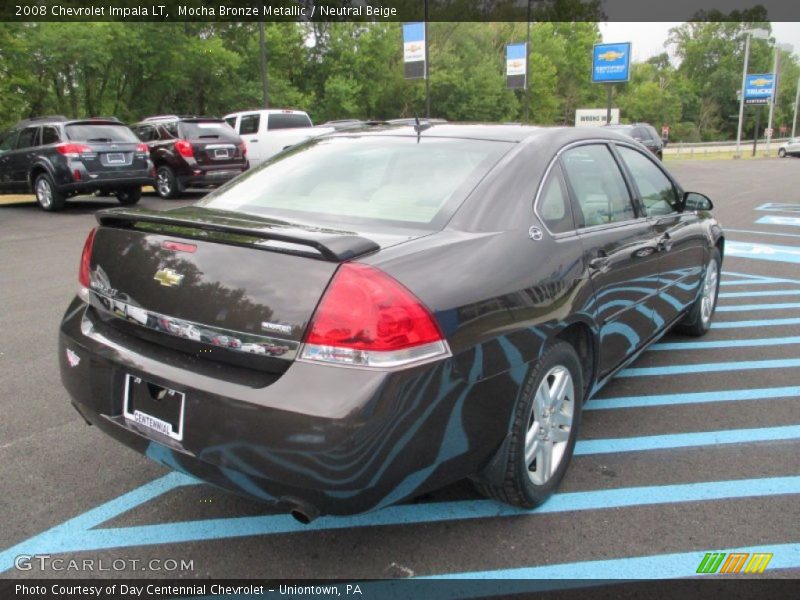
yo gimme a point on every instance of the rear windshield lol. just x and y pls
(380, 180)
(89, 132)
(287, 121)
(207, 130)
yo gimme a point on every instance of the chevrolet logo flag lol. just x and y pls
(517, 66)
(414, 51)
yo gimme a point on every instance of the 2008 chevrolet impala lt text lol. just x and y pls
(379, 312)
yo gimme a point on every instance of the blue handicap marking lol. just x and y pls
(779, 220)
(780, 207)
(772, 252)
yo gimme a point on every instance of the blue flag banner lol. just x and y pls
(517, 66)
(414, 50)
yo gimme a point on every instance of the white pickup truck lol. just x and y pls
(268, 131)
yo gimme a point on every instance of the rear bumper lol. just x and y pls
(210, 177)
(107, 182)
(341, 440)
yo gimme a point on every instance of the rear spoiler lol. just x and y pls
(336, 247)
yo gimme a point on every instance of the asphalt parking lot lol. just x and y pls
(694, 448)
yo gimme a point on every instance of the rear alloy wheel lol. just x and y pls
(47, 195)
(544, 431)
(129, 196)
(166, 183)
(782, 152)
(698, 320)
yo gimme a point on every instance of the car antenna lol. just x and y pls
(420, 127)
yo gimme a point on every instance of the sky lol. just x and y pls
(647, 39)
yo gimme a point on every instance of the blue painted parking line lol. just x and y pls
(405, 514)
(749, 307)
(746, 279)
(780, 363)
(711, 344)
(759, 294)
(771, 252)
(755, 323)
(772, 233)
(692, 398)
(779, 220)
(687, 440)
(780, 207)
(659, 566)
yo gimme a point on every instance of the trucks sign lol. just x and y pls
(758, 89)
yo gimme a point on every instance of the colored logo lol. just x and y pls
(734, 562)
(168, 277)
(610, 56)
(761, 82)
(515, 64)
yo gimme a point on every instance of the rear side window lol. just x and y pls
(146, 133)
(600, 191)
(656, 190)
(231, 121)
(287, 121)
(28, 137)
(97, 132)
(50, 135)
(168, 131)
(553, 207)
(207, 130)
(249, 124)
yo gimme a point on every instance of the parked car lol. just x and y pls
(268, 131)
(444, 300)
(644, 133)
(56, 158)
(790, 148)
(191, 151)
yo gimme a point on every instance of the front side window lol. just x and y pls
(554, 208)
(600, 191)
(656, 190)
(249, 124)
(28, 137)
(7, 140)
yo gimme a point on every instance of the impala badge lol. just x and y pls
(168, 277)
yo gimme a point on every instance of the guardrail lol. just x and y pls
(721, 147)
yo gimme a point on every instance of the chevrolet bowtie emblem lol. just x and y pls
(168, 277)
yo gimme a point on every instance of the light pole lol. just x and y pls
(761, 34)
(774, 96)
(796, 102)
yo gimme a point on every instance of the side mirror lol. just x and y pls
(695, 201)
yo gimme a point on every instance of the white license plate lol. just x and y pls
(221, 153)
(151, 422)
(115, 159)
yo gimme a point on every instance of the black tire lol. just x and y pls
(129, 196)
(48, 195)
(166, 183)
(518, 487)
(696, 323)
(782, 152)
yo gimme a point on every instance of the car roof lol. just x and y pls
(267, 111)
(38, 121)
(489, 132)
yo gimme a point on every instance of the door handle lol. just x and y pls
(664, 243)
(253, 141)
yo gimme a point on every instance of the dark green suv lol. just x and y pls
(56, 158)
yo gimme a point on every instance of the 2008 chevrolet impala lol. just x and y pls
(382, 311)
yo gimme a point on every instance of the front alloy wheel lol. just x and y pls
(697, 321)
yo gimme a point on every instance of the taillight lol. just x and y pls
(184, 148)
(243, 148)
(72, 150)
(366, 318)
(86, 259)
(142, 149)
